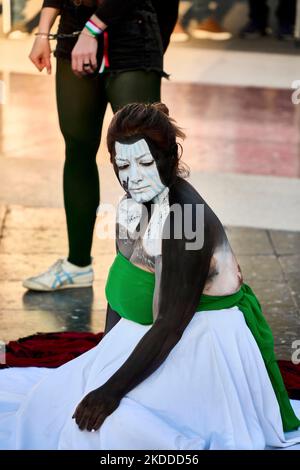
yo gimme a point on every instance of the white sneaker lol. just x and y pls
(61, 275)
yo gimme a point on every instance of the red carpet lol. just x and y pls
(55, 349)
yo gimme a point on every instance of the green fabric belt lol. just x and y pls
(129, 291)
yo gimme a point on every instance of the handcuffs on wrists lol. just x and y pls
(59, 35)
(65, 35)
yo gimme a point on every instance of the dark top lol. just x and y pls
(135, 38)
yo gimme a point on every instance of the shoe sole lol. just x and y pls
(209, 35)
(44, 289)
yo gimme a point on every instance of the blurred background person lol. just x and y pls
(18, 20)
(203, 20)
(259, 13)
(132, 52)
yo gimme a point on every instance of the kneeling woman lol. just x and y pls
(187, 361)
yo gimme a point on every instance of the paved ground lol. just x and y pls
(29, 242)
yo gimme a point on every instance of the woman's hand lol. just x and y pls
(94, 409)
(40, 54)
(41, 51)
(84, 52)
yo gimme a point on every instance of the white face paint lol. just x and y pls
(138, 172)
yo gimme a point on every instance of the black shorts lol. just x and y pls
(133, 43)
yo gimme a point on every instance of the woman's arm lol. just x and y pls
(85, 50)
(183, 277)
(48, 16)
(181, 274)
(175, 301)
(41, 51)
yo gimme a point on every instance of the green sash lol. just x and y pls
(129, 291)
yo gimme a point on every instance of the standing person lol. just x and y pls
(124, 40)
(18, 29)
(259, 19)
(208, 21)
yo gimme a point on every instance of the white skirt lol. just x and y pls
(212, 392)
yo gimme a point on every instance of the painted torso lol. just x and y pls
(139, 237)
(143, 246)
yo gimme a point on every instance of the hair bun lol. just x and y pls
(162, 108)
